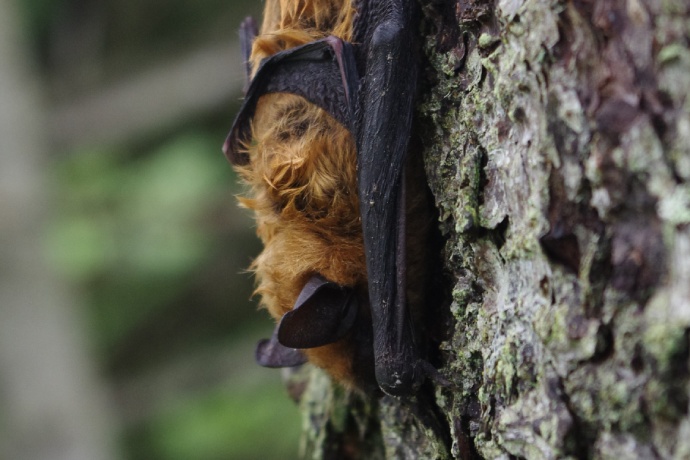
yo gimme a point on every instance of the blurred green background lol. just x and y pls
(139, 96)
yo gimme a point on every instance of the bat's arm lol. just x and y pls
(387, 98)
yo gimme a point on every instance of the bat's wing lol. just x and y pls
(387, 106)
(323, 72)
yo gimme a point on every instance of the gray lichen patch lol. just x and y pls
(337, 421)
(405, 437)
(557, 146)
(570, 253)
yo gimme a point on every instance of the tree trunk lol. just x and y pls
(557, 145)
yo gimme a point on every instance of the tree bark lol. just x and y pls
(557, 146)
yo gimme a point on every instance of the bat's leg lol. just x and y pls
(387, 98)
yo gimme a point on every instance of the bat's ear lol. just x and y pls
(324, 312)
(270, 353)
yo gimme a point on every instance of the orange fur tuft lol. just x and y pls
(291, 23)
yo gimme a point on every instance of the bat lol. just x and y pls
(321, 140)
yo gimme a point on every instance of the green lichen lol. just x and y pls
(675, 207)
(486, 40)
(671, 53)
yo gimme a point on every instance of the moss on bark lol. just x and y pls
(557, 145)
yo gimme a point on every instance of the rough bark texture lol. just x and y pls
(557, 146)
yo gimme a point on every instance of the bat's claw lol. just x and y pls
(433, 374)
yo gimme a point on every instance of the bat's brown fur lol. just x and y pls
(303, 180)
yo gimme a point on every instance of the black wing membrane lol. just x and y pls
(323, 72)
(387, 101)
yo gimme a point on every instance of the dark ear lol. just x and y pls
(324, 312)
(323, 72)
(270, 353)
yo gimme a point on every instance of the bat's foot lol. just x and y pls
(433, 374)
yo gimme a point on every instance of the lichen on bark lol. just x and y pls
(556, 140)
(568, 300)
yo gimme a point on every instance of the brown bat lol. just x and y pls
(322, 141)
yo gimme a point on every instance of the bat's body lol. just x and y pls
(322, 141)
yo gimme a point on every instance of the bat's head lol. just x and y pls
(312, 277)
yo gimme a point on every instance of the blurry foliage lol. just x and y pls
(38, 16)
(151, 234)
(149, 207)
(147, 237)
(133, 228)
(211, 428)
(126, 33)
